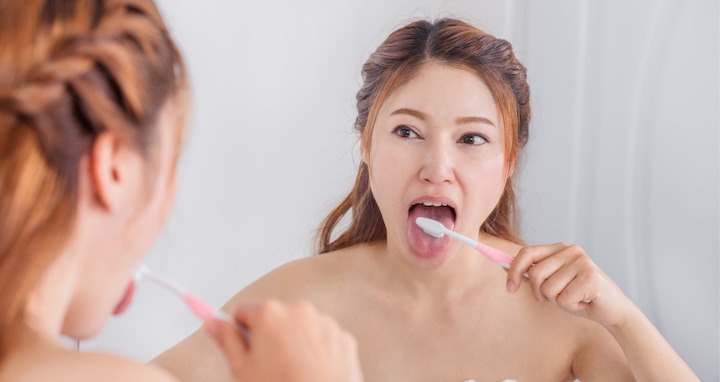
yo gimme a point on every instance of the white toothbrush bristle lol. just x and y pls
(139, 272)
(435, 234)
(430, 226)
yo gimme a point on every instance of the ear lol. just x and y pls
(110, 170)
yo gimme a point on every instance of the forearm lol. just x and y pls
(650, 357)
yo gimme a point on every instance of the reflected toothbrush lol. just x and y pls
(437, 229)
(200, 308)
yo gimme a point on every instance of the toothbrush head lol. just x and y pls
(139, 272)
(431, 227)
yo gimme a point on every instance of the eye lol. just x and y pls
(473, 139)
(405, 132)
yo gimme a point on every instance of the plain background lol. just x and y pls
(622, 159)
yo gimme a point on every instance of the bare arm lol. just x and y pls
(650, 356)
(565, 276)
(600, 357)
(197, 358)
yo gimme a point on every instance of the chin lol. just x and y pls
(85, 325)
(83, 331)
(427, 261)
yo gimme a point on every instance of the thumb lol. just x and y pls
(248, 313)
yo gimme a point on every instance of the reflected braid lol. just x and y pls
(71, 70)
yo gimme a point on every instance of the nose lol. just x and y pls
(438, 164)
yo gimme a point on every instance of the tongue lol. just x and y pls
(423, 244)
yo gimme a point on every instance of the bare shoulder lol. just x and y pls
(586, 347)
(114, 368)
(309, 278)
(581, 347)
(505, 245)
(68, 365)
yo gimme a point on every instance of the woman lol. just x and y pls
(442, 116)
(92, 95)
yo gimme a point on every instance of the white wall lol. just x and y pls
(623, 155)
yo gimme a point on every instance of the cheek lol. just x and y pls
(388, 167)
(488, 179)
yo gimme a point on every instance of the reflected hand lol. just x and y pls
(289, 343)
(565, 275)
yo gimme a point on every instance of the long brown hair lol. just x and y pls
(70, 70)
(395, 62)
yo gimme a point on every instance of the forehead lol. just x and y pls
(444, 92)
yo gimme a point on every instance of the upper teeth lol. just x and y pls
(428, 204)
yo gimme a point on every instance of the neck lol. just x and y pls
(49, 303)
(462, 270)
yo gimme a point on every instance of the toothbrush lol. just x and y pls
(200, 308)
(437, 229)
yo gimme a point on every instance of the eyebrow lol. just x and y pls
(415, 113)
(466, 120)
(460, 121)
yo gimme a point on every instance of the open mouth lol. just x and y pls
(423, 244)
(441, 212)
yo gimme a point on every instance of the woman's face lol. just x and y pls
(128, 233)
(437, 151)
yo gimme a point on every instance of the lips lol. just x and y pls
(126, 299)
(422, 244)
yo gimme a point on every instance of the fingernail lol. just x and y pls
(510, 286)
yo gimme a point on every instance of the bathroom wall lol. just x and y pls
(623, 155)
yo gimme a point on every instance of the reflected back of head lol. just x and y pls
(72, 69)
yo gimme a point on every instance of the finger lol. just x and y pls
(578, 294)
(554, 285)
(550, 275)
(304, 314)
(305, 309)
(210, 327)
(523, 279)
(540, 272)
(525, 260)
(252, 314)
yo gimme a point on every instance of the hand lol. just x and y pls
(288, 343)
(565, 276)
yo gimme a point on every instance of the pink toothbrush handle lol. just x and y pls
(201, 309)
(207, 313)
(502, 258)
(497, 256)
